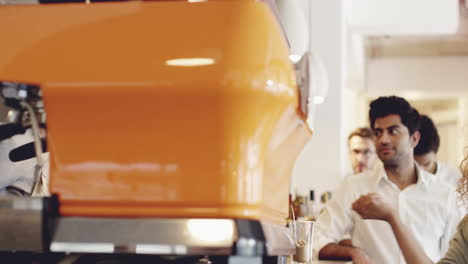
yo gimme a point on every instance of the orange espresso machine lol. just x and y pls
(172, 127)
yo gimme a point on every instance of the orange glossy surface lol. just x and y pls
(132, 135)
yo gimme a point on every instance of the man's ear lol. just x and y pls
(415, 139)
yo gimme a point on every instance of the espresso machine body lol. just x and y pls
(175, 123)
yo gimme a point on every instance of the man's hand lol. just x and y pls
(372, 206)
(360, 257)
(333, 251)
(346, 243)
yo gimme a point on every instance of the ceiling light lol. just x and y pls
(190, 62)
(295, 58)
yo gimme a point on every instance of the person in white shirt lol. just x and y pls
(361, 149)
(372, 206)
(428, 208)
(425, 154)
(361, 155)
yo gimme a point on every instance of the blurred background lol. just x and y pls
(414, 49)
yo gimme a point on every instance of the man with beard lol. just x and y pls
(427, 207)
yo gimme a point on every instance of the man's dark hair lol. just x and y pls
(363, 132)
(388, 105)
(430, 139)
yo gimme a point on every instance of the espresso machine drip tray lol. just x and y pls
(156, 240)
(169, 236)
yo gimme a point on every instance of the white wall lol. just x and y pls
(429, 76)
(448, 143)
(321, 164)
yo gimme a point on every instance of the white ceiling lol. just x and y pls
(423, 67)
(421, 46)
(416, 46)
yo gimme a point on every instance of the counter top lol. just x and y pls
(327, 262)
(289, 261)
(330, 262)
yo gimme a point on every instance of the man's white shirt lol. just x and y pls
(428, 208)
